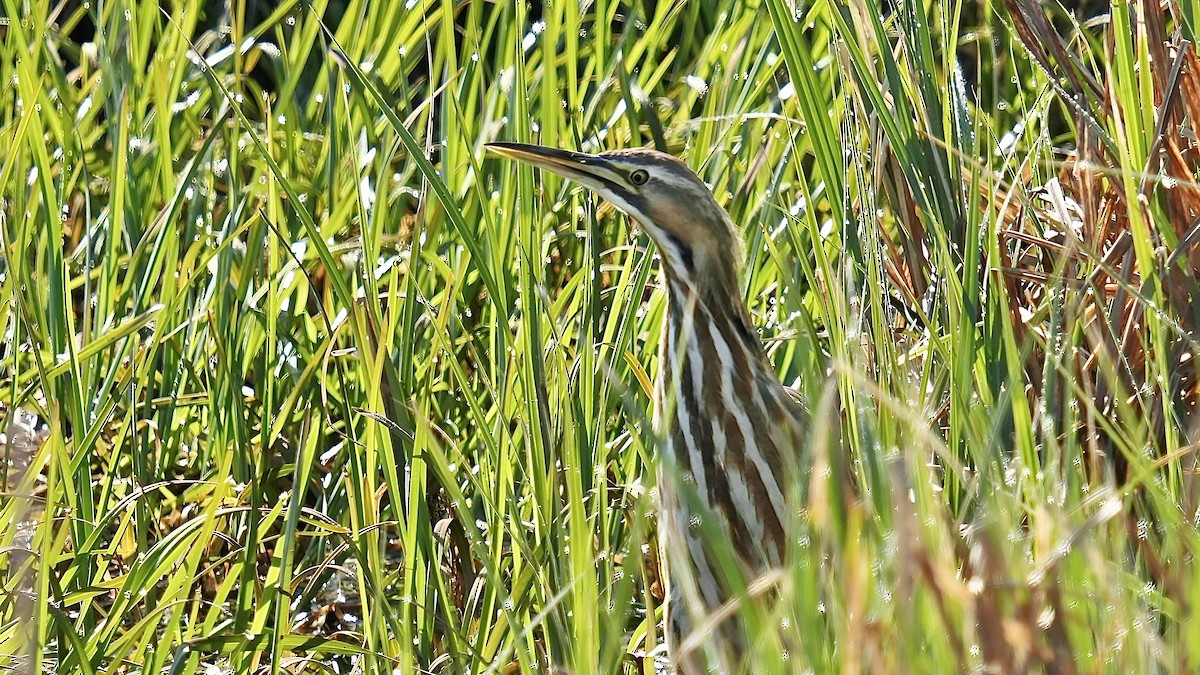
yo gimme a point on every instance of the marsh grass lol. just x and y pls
(297, 379)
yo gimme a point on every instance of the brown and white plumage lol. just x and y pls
(730, 431)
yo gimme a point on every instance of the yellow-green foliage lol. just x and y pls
(297, 378)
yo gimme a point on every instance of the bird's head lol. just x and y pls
(694, 235)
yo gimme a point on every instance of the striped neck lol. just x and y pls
(721, 417)
(694, 310)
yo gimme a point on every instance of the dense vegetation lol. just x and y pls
(297, 378)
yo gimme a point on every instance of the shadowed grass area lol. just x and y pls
(297, 379)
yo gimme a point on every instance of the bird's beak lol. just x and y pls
(592, 171)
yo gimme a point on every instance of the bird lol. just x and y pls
(730, 434)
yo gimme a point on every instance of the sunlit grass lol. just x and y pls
(298, 379)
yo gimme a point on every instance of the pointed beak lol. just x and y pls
(591, 171)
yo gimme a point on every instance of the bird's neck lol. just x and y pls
(718, 409)
(710, 314)
(704, 340)
(709, 299)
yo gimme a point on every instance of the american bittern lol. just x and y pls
(728, 427)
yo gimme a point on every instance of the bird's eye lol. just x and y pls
(639, 177)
